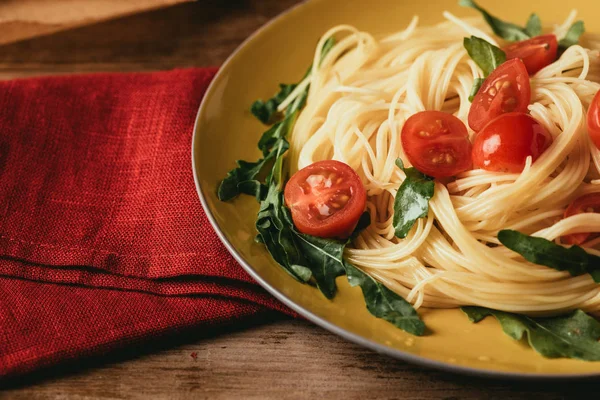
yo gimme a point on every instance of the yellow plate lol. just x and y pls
(225, 131)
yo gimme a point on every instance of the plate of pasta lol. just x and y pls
(421, 180)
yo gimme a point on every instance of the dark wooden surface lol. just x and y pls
(272, 357)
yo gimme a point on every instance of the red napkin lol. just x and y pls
(103, 241)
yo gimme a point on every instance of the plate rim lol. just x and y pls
(309, 315)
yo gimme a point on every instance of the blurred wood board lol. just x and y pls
(23, 19)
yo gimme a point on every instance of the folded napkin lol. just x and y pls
(103, 241)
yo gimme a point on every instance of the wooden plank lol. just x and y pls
(282, 360)
(22, 19)
(197, 34)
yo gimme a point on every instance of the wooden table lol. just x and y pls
(274, 357)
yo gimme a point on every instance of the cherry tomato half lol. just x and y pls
(504, 144)
(593, 120)
(589, 203)
(535, 53)
(326, 198)
(436, 143)
(505, 90)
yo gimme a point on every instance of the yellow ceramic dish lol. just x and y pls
(225, 131)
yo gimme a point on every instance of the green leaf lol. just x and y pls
(385, 304)
(574, 335)
(487, 56)
(505, 30)
(476, 86)
(266, 111)
(412, 199)
(574, 259)
(534, 25)
(572, 36)
(324, 259)
(242, 179)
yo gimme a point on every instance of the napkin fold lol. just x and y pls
(103, 241)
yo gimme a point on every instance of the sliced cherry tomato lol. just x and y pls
(535, 53)
(436, 143)
(589, 203)
(326, 198)
(504, 144)
(593, 120)
(505, 90)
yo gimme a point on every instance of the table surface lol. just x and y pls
(274, 357)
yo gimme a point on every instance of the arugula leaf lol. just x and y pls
(505, 30)
(574, 335)
(487, 56)
(324, 259)
(385, 304)
(534, 25)
(572, 36)
(412, 199)
(242, 179)
(574, 259)
(476, 86)
(266, 111)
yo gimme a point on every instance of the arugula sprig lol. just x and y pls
(572, 36)
(412, 199)
(574, 259)
(487, 56)
(574, 335)
(533, 27)
(506, 30)
(243, 179)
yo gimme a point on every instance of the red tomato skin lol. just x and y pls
(536, 53)
(443, 151)
(579, 206)
(504, 144)
(506, 89)
(341, 223)
(593, 120)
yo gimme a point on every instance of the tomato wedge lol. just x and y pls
(506, 90)
(589, 203)
(535, 53)
(593, 120)
(504, 144)
(436, 143)
(326, 198)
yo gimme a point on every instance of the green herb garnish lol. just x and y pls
(487, 56)
(574, 335)
(505, 30)
(412, 199)
(572, 36)
(574, 259)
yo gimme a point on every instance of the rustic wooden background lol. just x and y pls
(271, 357)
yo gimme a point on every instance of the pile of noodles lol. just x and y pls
(361, 95)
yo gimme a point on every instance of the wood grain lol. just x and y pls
(282, 360)
(279, 358)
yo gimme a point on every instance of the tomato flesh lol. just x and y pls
(589, 203)
(504, 144)
(593, 120)
(436, 143)
(326, 199)
(506, 90)
(536, 53)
